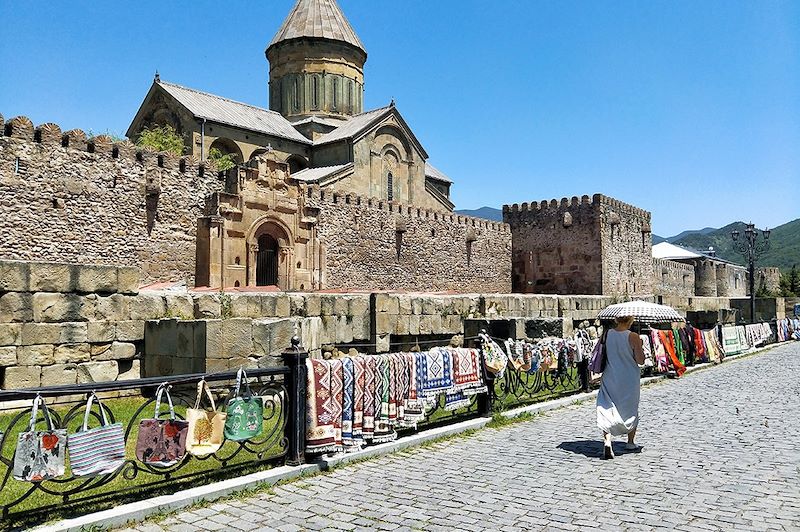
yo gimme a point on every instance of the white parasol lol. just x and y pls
(642, 311)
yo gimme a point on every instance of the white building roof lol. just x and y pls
(668, 251)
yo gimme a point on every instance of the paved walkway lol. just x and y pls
(722, 452)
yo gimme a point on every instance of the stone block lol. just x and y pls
(431, 305)
(10, 333)
(310, 333)
(237, 337)
(328, 330)
(15, 307)
(416, 305)
(327, 303)
(101, 371)
(179, 306)
(268, 303)
(116, 307)
(344, 329)
(95, 279)
(404, 304)
(148, 306)
(360, 325)
(262, 334)
(8, 356)
(113, 351)
(48, 277)
(133, 373)
(128, 280)
(297, 305)
(72, 353)
(341, 306)
(455, 324)
(245, 306)
(281, 337)
(17, 377)
(100, 331)
(359, 306)
(401, 325)
(184, 339)
(387, 303)
(414, 323)
(72, 333)
(159, 339)
(217, 365)
(282, 306)
(36, 355)
(382, 344)
(130, 331)
(59, 374)
(425, 324)
(207, 306)
(209, 341)
(313, 305)
(40, 333)
(435, 322)
(51, 307)
(14, 276)
(384, 323)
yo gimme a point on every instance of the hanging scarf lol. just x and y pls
(322, 435)
(668, 341)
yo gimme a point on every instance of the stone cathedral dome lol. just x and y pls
(316, 63)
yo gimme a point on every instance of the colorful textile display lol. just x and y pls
(546, 354)
(788, 329)
(162, 442)
(758, 333)
(355, 400)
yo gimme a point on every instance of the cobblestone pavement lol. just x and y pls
(721, 452)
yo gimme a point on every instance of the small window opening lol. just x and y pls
(236, 284)
(433, 232)
(398, 242)
(16, 166)
(115, 152)
(335, 93)
(237, 261)
(469, 252)
(390, 187)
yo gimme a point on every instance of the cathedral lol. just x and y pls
(316, 122)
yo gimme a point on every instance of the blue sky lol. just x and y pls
(689, 109)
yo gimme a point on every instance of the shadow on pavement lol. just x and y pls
(593, 448)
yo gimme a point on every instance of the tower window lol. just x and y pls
(390, 186)
(315, 92)
(350, 96)
(335, 93)
(296, 95)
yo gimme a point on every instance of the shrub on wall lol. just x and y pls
(161, 138)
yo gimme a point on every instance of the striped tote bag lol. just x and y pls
(97, 451)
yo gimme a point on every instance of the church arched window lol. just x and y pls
(335, 93)
(296, 94)
(350, 96)
(389, 186)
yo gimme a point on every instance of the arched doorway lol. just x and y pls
(267, 261)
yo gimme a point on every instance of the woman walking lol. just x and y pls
(618, 398)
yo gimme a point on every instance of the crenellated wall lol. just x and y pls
(580, 246)
(66, 197)
(373, 244)
(672, 278)
(769, 278)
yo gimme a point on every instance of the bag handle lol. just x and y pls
(35, 412)
(164, 388)
(242, 375)
(201, 386)
(92, 398)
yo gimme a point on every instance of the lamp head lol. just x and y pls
(766, 234)
(735, 235)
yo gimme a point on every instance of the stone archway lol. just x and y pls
(269, 257)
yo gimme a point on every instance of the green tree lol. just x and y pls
(790, 283)
(224, 161)
(161, 138)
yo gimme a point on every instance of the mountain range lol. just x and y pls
(784, 249)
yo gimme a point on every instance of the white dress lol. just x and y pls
(618, 398)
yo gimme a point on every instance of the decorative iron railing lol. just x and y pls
(519, 388)
(22, 502)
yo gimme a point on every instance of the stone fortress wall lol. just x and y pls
(580, 246)
(62, 323)
(65, 197)
(375, 244)
(673, 278)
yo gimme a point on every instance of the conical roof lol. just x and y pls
(321, 19)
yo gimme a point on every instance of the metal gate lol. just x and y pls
(267, 261)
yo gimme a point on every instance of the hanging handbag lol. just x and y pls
(162, 442)
(245, 413)
(597, 362)
(494, 358)
(40, 453)
(206, 427)
(98, 451)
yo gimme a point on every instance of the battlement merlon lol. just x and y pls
(21, 128)
(549, 207)
(316, 193)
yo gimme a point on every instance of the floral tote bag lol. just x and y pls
(40, 453)
(206, 427)
(245, 413)
(97, 451)
(162, 442)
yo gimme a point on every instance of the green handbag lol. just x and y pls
(245, 412)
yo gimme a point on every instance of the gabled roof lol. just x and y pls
(315, 175)
(363, 123)
(321, 19)
(434, 173)
(232, 113)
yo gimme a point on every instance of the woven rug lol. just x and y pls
(434, 373)
(467, 371)
(321, 433)
(368, 429)
(414, 407)
(348, 392)
(383, 428)
(358, 399)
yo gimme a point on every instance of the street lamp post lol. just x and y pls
(751, 248)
